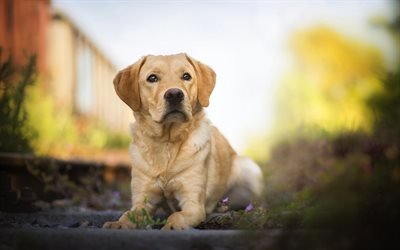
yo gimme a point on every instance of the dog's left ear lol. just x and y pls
(126, 84)
(205, 80)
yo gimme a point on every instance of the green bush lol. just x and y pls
(15, 132)
(349, 181)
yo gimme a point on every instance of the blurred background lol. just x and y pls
(309, 89)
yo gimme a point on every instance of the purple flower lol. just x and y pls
(249, 208)
(225, 201)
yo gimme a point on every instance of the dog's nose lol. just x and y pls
(174, 96)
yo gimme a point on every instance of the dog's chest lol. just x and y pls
(163, 162)
(158, 159)
(162, 158)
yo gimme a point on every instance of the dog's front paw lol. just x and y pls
(119, 225)
(176, 221)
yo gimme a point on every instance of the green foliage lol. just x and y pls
(333, 78)
(30, 121)
(57, 132)
(16, 133)
(348, 181)
(344, 186)
(355, 200)
(62, 134)
(386, 107)
(250, 220)
(352, 180)
(327, 89)
(142, 219)
(116, 140)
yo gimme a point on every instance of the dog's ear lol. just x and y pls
(126, 84)
(205, 81)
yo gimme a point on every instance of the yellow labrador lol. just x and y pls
(179, 158)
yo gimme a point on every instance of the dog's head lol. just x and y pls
(168, 88)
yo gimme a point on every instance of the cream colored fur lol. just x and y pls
(179, 160)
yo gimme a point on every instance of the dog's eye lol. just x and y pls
(152, 78)
(186, 77)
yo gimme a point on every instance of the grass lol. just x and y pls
(144, 219)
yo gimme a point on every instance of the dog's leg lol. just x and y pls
(191, 215)
(245, 183)
(192, 204)
(122, 223)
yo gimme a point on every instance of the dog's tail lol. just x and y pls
(245, 184)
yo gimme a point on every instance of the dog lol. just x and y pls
(180, 161)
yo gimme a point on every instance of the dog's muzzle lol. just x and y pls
(174, 98)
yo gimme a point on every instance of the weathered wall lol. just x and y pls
(23, 29)
(73, 69)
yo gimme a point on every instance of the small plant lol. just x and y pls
(15, 132)
(144, 220)
(253, 217)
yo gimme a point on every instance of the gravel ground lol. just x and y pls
(82, 230)
(86, 238)
(57, 220)
(77, 230)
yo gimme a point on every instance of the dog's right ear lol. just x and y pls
(126, 84)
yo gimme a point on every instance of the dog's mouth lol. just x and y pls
(175, 115)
